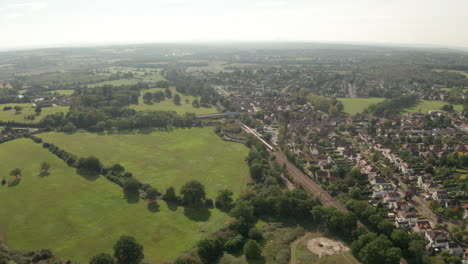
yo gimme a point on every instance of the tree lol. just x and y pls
(380, 250)
(131, 186)
(252, 250)
(195, 103)
(170, 195)
(128, 251)
(90, 164)
(102, 258)
(193, 192)
(45, 166)
(168, 93)
(417, 249)
(224, 199)
(243, 210)
(177, 99)
(15, 172)
(210, 250)
(38, 110)
(147, 98)
(152, 193)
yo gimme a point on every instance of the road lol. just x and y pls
(307, 183)
(422, 207)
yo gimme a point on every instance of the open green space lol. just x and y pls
(165, 159)
(78, 218)
(28, 109)
(353, 106)
(119, 82)
(169, 105)
(425, 106)
(63, 92)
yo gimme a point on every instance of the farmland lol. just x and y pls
(353, 106)
(27, 109)
(165, 159)
(169, 105)
(64, 211)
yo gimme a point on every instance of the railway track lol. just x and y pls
(307, 183)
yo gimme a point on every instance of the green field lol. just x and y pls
(78, 218)
(63, 92)
(165, 159)
(115, 82)
(353, 106)
(11, 115)
(425, 106)
(168, 104)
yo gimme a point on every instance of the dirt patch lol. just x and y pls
(323, 246)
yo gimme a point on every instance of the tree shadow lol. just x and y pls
(172, 206)
(44, 174)
(153, 207)
(15, 182)
(198, 214)
(146, 131)
(132, 198)
(261, 260)
(89, 175)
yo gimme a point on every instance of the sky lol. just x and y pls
(48, 23)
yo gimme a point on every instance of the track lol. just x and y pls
(307, 183)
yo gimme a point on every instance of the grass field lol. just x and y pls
(78, 218)
(168, 104)
(425, 106)
(63, 92)
(353, 106)
(166, 159)
(11, 115)
(115, 82)
(464, 73)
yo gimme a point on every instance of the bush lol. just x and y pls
(102, 258)
(131, 186)
(234, 244)
(252, 250)
(255, 234)
(283, 256)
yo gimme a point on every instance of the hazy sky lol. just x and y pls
(61, 22)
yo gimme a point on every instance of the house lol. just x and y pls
(378, 181)
(422, 226)
(440, 195)
(455, 249)
(391, 197)
(437, 239)
(406, 216)
(399, 206)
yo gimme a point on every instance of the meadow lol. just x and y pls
(78, 218)
(354, 106)
(169, 105)
(425, 106)
(165, 159)
(62, 92)
(119, 82)
(27, 109)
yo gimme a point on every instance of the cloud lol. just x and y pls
(32, 5)
(271, 3)
(13, 15)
